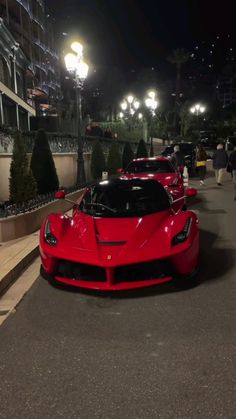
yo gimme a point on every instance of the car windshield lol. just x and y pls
(150, 166)
(125, 198)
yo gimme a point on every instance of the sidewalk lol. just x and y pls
(15, 256)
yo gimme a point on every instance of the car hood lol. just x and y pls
(115, 240)
(165, 179)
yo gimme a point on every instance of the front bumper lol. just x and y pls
(133, 276)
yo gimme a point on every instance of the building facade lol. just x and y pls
(29, 64)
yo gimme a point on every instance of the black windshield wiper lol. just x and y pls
(96, 204)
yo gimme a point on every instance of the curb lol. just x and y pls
(15, 272)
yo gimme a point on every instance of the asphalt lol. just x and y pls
(156, 353)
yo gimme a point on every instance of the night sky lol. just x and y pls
(140, 33)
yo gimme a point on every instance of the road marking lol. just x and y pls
(16, 292)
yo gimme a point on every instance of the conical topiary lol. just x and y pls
(98, 163)
(114, 159)
(43, 166)
(21, 183)
(128, 155)
(142, 150)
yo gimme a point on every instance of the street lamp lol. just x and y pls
(130, 105)
(151, 103)
(197, 110)
(79, 69)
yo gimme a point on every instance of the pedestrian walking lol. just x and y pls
(177, 159)
(232, 165)
(220, 161)
(201, 159)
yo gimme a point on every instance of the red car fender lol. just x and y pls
(185, 256)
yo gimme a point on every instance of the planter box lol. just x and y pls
(12, 228)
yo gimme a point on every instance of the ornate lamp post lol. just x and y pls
(197, 110)
(79, 70)
(151, 103)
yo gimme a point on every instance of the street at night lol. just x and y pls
(117, 209)
(153, 353)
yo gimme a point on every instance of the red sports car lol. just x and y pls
(159, 168)
(123, 234)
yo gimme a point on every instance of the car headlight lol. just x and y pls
(48, 236)
(184, 234)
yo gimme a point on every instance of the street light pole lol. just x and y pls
(80, 156)
(79, 69)
(197, 110)
(151, 103)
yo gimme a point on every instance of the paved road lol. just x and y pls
(153, 354)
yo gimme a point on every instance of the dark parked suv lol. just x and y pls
(189, 152)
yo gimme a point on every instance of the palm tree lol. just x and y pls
(178, 57)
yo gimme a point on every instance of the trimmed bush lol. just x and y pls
(43, 166)
(128, 155)
(142, 150)
(98, 163)
(114, 159)
(22, 183)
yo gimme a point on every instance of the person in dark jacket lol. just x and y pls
(201, 159)
(177, 159)
(220, 161)
(232, 164)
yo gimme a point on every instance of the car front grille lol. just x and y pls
(156, 269)
(80, 271)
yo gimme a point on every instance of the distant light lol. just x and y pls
(70, 62)
(152, 94)
(121, 115)
(140, 115)
(64, 33)
(132, 111)
(130, 98)
(123, 106)
(77, 47)
(136, 104)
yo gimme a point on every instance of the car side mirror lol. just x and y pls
(60, 194)
(190, 192)
(120, 171)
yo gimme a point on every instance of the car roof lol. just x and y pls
(156, 158)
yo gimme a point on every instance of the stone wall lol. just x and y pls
(66, 165)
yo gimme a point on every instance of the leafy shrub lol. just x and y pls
(98, 163)
(43, 166)
(22, 183)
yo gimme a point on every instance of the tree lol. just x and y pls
(114, 159)
(22, 184)
(178, 57)
(98, 163)
(142, 149)
(43, 166)
(128, 155)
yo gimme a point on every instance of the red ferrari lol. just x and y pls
(159, 168)
(123, 233)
